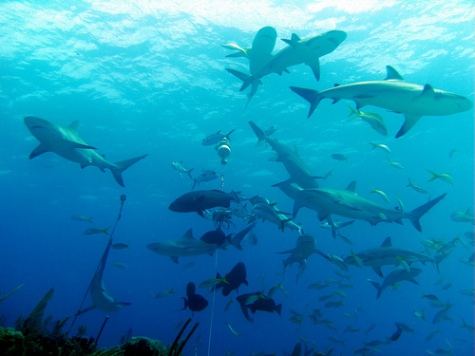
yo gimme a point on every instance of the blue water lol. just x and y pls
(150, 78)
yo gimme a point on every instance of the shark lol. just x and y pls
(185, 246)
(65, 142)
(258, 55)
(398, 275)
(386, 255)
(298, 51)
(303, 249)
(295, 166)
(101, 298)
(392, 93)
(345, 202)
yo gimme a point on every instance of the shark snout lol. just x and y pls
(34, 122)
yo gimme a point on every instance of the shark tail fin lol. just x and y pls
(246, 78)
(312, 96)
(377, 286)
(261, 135)
(121, 166)
(415, 215)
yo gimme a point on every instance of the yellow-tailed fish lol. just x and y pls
(446, 177)
(232, 330)
(209, 283)
(164, 293)
(381, 194)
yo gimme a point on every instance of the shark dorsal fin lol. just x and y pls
(74, 125)
(189, 234)
(351, 187)
(428, 91)
(387, 242)
(392, 74)
(293, 40)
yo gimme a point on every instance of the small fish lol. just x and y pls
(96, 231)
(228, 304)
(419, 314)
(210, 283)
(119, 265)
(178, 166)
(380, 193)
(417, 188)
(395, 164)
(164, 293)
(446, 177)
(82, 218)
(206, 176)
(215, 138)
(254, 297)
(339, 157)
(432, 334)
(374, 120)
(452, 152)
(351, 329)
(280, 287)
(336, 340)
(381, 146)
(463, 216)
(432, 297)
(119, 246)
(232, 330)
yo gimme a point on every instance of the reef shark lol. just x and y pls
(386, 255)
(294, 165)
(398, 275)
(188, 246)
(393, 93)
(303, 249)
(100, 296)
(299, 51)
(345, 202)
(258, 55)
(65, 142)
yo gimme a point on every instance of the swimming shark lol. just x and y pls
(386, 255)
(101, 298)
(303, 249)
(299, 51)
(393, 93)
(345, 202)
(258, 55)
(398, 275)
(183, 247)
(294, 165)
(65, 142)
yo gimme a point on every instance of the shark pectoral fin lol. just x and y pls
(322, 215)
(377, 286)
(408, 124)
(288, 251)
(412, 280)
(72, 145)
(315, 66)
(38, 151)
(174, 259)
(377, 269)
